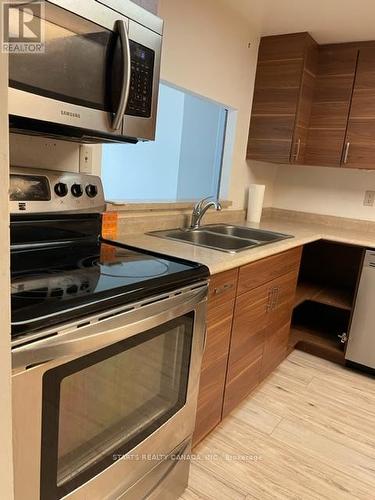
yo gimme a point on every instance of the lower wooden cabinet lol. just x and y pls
(247, 333)
(259, 336)
(278, 322)
(240, 386)
(221, 302)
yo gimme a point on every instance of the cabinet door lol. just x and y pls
(247, 344)
(261, 323)
(359, 149)
(214, 364)
(277, 87)
(305, 99)
(282, 292)
(331, 105)
(282, 98)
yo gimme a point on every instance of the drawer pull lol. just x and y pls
(273, 297)
(269, 301)
(224, 288)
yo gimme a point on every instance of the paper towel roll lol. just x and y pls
(255, 203)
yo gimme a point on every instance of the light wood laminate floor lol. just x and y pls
(308, 432)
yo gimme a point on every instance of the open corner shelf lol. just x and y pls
(316, 327)
(316, 342)
(324, 298)
(331, 296)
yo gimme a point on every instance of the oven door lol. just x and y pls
(91, 403)
(82, 79)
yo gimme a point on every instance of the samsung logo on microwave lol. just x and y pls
(69, 113)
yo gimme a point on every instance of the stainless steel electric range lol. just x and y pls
(107, 343)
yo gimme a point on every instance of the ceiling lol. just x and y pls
(328, 21)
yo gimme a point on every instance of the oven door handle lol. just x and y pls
(79, 341)
(126, 65)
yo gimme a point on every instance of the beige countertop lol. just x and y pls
(216, 261)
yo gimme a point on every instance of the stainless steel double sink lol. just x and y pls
(223, 237)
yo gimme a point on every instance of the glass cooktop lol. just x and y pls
(54, 284)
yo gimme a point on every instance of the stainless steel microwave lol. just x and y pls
(98, 77)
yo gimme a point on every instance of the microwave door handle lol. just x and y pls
(126, 64)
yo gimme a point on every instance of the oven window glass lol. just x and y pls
(102, 405)
(74, 66)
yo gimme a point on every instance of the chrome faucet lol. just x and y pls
(200, 209)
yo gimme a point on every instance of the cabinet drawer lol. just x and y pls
(265, 270)
(222, 288)
(241, 386)
(210, 398)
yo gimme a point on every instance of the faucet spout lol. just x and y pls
(200, 209)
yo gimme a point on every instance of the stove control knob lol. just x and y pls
(91, 190)
(77, 190)
(61, 189)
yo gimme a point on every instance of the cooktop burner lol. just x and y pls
(57, 283)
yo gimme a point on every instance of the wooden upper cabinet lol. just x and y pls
(314, 105)
(331, 105)
(283, 93)
(359, 148)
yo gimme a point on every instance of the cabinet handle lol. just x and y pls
(273, 296)
(224, 288)
(346, 154)
(269, 300)
(298, 144)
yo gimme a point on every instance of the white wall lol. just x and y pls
(322, 190)
(206, 50)
(6, 462)
(38, 152)
(332, 21)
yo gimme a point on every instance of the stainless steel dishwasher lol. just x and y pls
(361, 343)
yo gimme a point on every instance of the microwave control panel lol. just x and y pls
(141, 81)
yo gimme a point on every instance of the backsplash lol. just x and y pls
(144, 221)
